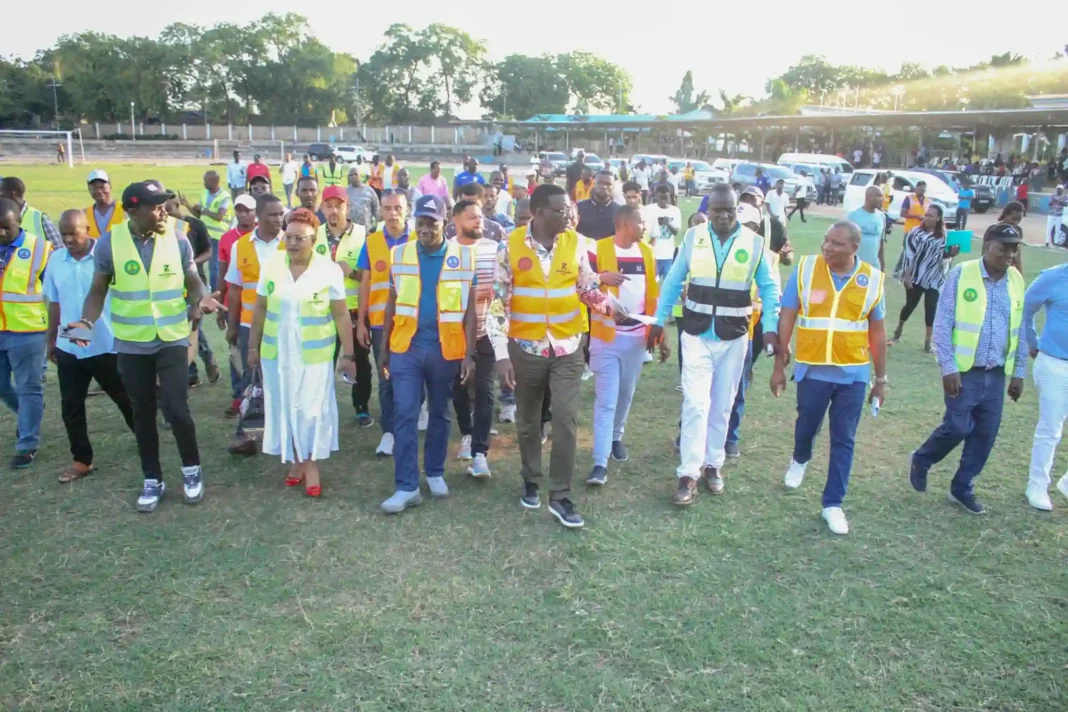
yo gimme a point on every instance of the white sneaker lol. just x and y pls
(1038, 498)
(464, 451)
(1062, 485)
(438, 488)
(836, 521)
(401, 500)
(587, 374)
(795, 474)
(192, 484)
(424, 418)
(647, 357)
(507, 414)
(385, 446)
(479, 468)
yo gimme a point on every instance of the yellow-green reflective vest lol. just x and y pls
(22, 307)
(146, 304)
(317, 330)
(348, 251)
(971, 311)
(33, 222)
(216, 228)
(720, 296)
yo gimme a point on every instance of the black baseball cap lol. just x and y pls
(1004, 233)
(430, 206)
(148, 192)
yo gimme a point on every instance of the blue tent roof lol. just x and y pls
(587, 119)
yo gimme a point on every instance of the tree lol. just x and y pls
(733, 104)
(684, 99)
(456, 59)
(523, 86)
(598, 83)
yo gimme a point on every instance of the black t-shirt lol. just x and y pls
(197, 233)
(574, 175)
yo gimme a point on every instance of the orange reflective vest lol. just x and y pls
(540, 305)
(380, 257)
(832, 325)
(375, 180)
(117, 216)
(914, 216)
(453, 292)
(248, 264)
(604, 327)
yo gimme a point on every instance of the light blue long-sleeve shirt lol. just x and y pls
(671, 287)
(1049, 290)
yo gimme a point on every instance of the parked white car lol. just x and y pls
(817, 160)
(704, 175)
(904, 181)
(348, 154)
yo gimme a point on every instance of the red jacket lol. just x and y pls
(257, 169)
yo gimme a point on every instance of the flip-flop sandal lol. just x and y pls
(72, 473)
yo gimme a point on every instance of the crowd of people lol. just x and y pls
(488, 292)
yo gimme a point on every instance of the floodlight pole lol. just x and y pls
(55, 101)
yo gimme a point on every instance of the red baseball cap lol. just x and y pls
(335, 192)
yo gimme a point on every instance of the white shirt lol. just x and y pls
(235, 174)
(876, 157)
(857, 155)
(664, 245)
(673, 179)
(504, 203)
(265, 252)
(290, 170)
(777, 204)
(632, 292)
(388, 172)
(641, 177)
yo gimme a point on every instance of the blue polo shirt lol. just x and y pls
(465, 177)
(844, 375)
(66, 283)
(430, 264)
(363, 262)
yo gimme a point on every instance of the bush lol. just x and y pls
(128, 137)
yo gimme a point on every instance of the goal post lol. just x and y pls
(40, 144)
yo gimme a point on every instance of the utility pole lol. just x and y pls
(358, 122)
(133, 126)
(55, 101)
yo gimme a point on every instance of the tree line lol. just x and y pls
(275, 71)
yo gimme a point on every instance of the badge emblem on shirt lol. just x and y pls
(132, 267)
(741, 256)
(453, 262)
(525, 263)
(970, 295)
(24, 254)
(862, 280)
(321, 249)
(167, 269)
(270, 287)
(380, 266)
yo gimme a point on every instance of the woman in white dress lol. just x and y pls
(300, 311)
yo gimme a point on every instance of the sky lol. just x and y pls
(735, 48)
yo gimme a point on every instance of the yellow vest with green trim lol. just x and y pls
(216, 228)
(348, 251)
(33, 222)
(146, 304)
(317, 330)
(720, 296)
(328, 177)
(22, 307)
(971, 311)
(454, 289)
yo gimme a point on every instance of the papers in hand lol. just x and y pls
(621, 311)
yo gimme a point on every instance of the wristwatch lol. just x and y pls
(883, 379)
(348, 357)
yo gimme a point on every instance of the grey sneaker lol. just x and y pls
(479, 468)
(401, 500)
(438, 488)
(619, 453)
(150, 496)
(530, 499)
(565, 513)
(732, 449)
(598, 476)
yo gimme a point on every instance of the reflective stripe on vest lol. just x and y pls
(971, 313)
(33, 222)
(334, 178)
(248, 264)
(147, 304)
(216, 228)
(348, 251)
(710, 284)
(832, 324)
(453, 291)
(22, 307)
(541, 305)
(604, 327)
(317, 330)
(379, 257)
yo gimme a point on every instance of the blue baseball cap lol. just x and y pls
(430, 206)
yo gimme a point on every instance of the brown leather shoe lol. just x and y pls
(245, 448)
(686, 493)
(713, 480)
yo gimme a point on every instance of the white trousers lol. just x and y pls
(1053, 224)
(711, 371)
(1051, 381)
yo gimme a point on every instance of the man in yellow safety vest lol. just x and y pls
(914, 207)
(215, 209)
(31, 219)
(105, 212)
(978, 343)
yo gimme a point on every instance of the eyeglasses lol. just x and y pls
(299, 238)
(559, 211)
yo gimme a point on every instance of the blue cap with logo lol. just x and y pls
(430, 206)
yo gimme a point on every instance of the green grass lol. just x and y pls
(261, 599)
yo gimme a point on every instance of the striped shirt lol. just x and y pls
(632, 292)
(485, 251)
(924, 259)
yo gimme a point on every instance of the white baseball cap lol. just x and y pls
(99, 175)
(245, 201)
(748, 214)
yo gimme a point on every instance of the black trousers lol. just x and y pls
(140, 373)
(799, 207)
(75, 375)
(479, 426)
(361, 389)
(912, 300)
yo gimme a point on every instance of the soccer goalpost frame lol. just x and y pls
(47, 137)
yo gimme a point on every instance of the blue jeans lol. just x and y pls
(846, 403)
(22, 357)
(617, 366)
(662, 268)
(213, 265)
(385, 388)
(734, 428)
(974, 418)
(409, 372)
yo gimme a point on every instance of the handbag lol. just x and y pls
(252, 413)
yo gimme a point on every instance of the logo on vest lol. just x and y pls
(862, 280)
(741, 256)
(563, 268)
(315, 298)
(321, 249)
(453, 262)
(970, 295)
(380, 266)
(167, 270)
(132, 267)
(525, 263)
(24, 254)
(270, 287)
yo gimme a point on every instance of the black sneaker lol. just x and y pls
(732, 450)
(364, 420)
(619, 453)
(194, 381)
(530, 499)
(917, 475)
(564, 511)
(598, 476)
(23, 459)
(969, 502)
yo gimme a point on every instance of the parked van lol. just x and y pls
(820, 160)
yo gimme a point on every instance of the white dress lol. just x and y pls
(298, 399)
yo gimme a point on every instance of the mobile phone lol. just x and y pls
(78, 334)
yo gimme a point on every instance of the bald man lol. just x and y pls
(872, 223)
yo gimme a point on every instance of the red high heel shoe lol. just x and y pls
(293, 481)
(314, 491)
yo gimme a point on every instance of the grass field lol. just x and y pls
(261, 599)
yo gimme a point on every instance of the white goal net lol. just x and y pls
(41, 146)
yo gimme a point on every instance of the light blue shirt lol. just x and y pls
(872, 233)
(1049, 290)
(671, 287)
(67, 282)
(832, 374)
